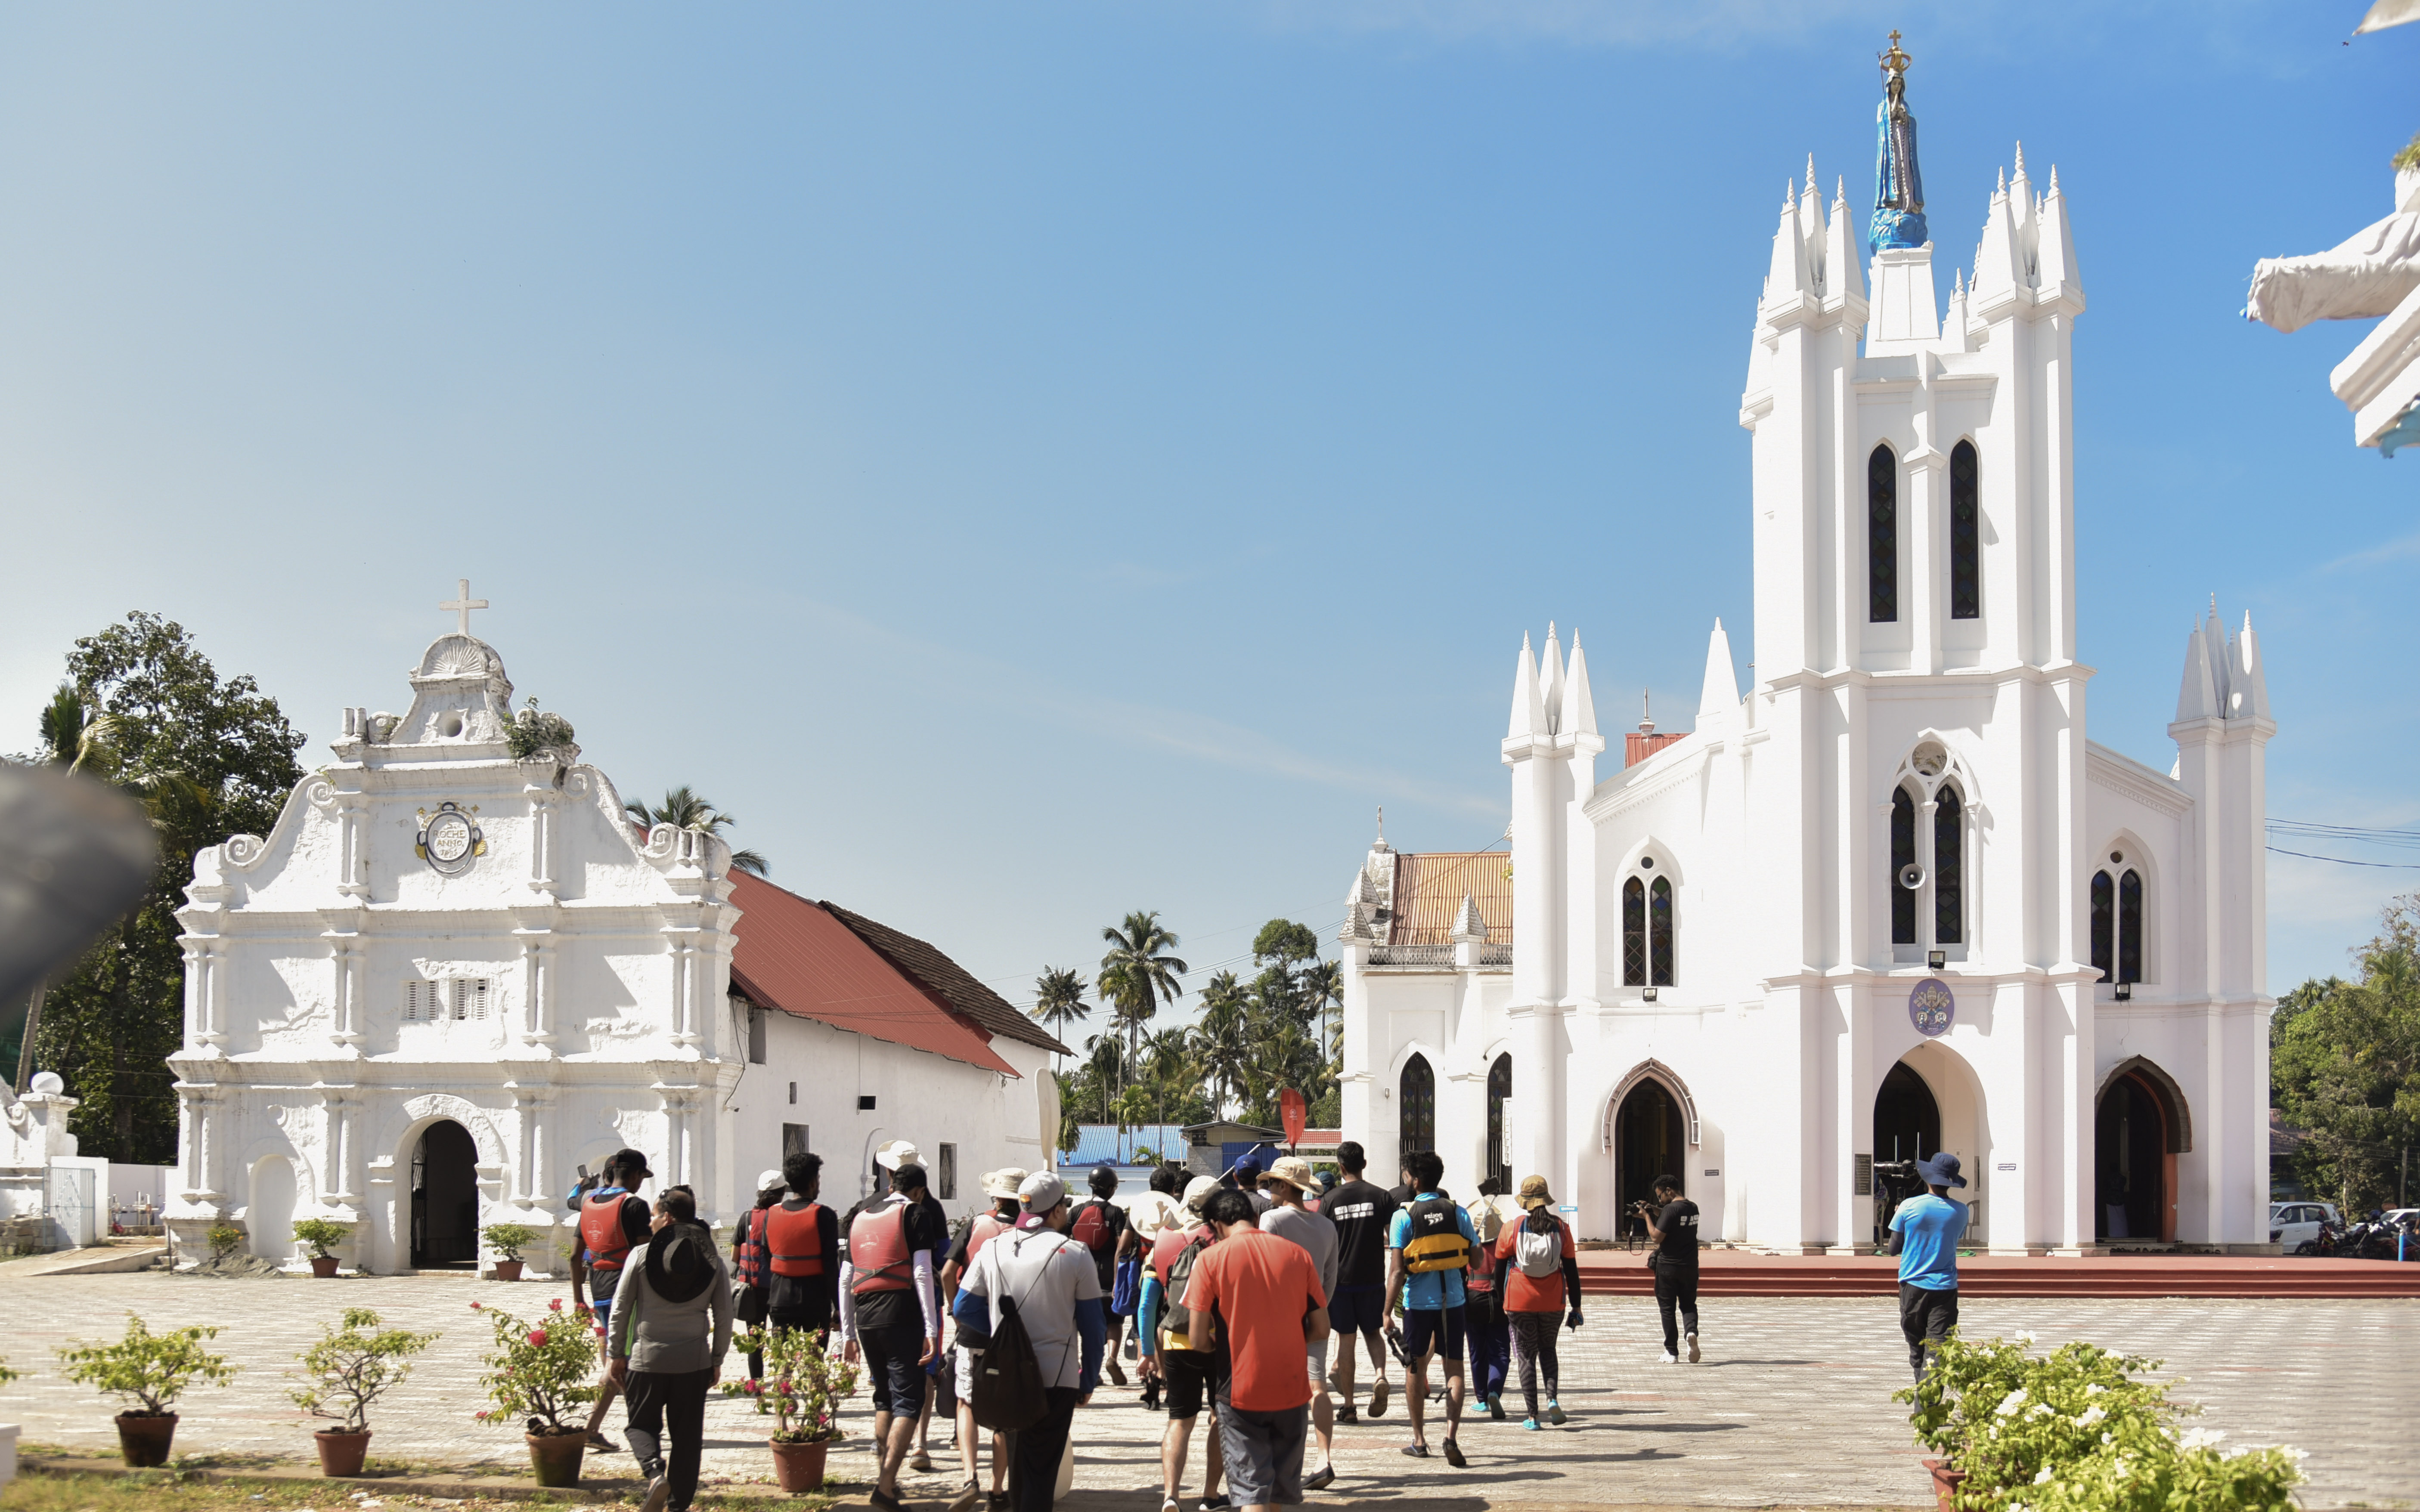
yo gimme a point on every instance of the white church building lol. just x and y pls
(450, 976)
(1893, 899)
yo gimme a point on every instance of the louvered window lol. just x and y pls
(462, 999)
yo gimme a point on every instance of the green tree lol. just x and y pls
(1283, 941)
(1222, 1040)
(684, 809)
(2344, 1067)
(1059, 999)
(1322, 984)
(208, 758)
(1138, 973)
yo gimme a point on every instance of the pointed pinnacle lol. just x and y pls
(1839, 191)
(2002, 191)
(2021, 160)
(2053, 180)
(1810, 172)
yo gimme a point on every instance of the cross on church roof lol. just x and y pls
(462, 604)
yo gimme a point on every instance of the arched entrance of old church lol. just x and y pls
(444, 1197)
(1650, 1139)
(1907, 1127)
(2140, 1128)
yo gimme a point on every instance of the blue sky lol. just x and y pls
(1032, 463)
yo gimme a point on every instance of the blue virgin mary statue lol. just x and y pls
(1899, 187)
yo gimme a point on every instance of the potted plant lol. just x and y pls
(537, 1373)
(351, 1367)
(801, 1388)
(508, 1241)
(150, 1370)
(323, 1235)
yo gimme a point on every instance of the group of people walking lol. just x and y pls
(1247, 1294)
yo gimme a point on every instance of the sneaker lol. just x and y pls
(1117, 1373)
(1378, 1398)
(1346, 1416)
(1496, 1408)
(1453, 1455)
(1554, 1413)
(1418, 1451)
(659, 1490)
(920, 1462)
(1667, 1357)
(1529, 1423)
(882, 1501)
(598, 1441)
(1321, 1481)
(1215, 1504)
(997, 1501)
(970, 1497)
(1693, 1349)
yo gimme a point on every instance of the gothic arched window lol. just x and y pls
(2130, 926)
(1634, 934)
(1949, 868)
(2104, 927)
(1902, 855)
(1882, 536)
(1415, 1100)
(1659, 932)
(1499, 1142)
(1965, 534)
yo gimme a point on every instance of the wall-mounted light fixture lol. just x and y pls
(2125, 992)
(1647, 995)
(1936, 959)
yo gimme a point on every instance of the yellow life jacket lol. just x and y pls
(1437, 1242)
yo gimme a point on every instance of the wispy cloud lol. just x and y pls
(1587, 23)
(2402, 549)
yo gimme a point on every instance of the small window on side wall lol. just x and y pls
(945, 1174)
(1882, 536)
(1965, 533)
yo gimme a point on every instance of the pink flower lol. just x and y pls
(537, 1338)
(556, 1305)
(474, 1306)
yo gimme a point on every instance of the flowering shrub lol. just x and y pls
(2075, 1432)
(149, 1369)
(353, 1365)
(802, 1386)
(538, 1371)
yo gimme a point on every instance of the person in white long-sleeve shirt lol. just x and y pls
(886, 1260)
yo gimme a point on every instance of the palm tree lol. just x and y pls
(1138, 973)
(1222, 1040)
(685, 809)
(1058, 999)
(1322, 985)
(1169, 1056)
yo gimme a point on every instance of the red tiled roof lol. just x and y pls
(800, 957)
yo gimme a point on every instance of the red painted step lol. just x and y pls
(1737, 1274)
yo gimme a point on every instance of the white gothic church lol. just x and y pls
(453, 974)
(1893, 900)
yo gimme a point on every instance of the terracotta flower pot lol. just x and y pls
(508, 1270)
(323, 1266)
(556, 1457)
(144, 1439)
(799, 1467)
(1945, 1482)
(341, 1453)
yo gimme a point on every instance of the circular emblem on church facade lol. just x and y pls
(448, 839)
(1933, 1008)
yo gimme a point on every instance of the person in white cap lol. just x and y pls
(889, 1159)
(1056, 1290)
(891, 1314)
(1001, 1186)
(1288, 1181)
(1168, 1356)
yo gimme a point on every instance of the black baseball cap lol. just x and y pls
(623, 1159)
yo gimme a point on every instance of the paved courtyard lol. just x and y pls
(1791, 1405)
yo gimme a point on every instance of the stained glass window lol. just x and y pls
(1902, 852)
(1634, 934)
(2130, 926)
(1659, 932)
(1882, 535)
(1965, 534)
(2104, 927)
(1416, 1097)
(1948, 869)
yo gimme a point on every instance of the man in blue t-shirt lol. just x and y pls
(1429, 1243)
(1925, 1231)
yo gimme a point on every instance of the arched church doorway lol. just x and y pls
(2136, 1136)
(1416, 1108)
(1907, 1128)
(444, 1197)
(1647, 1142)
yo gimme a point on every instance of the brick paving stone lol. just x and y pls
(1791, 1405)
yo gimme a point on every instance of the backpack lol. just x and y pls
(1092, 1226)
(1006, 1396)
(1172, 1304)
(1539, 1251)
(1435, 1242)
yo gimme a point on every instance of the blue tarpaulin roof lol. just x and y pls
(1098, 1142)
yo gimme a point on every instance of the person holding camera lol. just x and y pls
(1672, 1228)
(1542, 1274)
(1924, 1232)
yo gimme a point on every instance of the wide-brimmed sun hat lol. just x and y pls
(1198, 1192)
(1941, 1170)
(1533, 1192)
(1004, 1181)
(1295, 1172)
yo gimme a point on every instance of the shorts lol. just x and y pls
(1357, 1310)
(600, 1305)
(1424, 1326)
(1187, 1373)
(1264, 1454)
(895, 1371)
(1316, 1355)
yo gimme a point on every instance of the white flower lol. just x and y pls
(2297, 1456)
(2010, 1403)
(2109, 1438)
(2095, 1389)
(2090, 1416)
(2042, 1479)
(2201, 1438)
(2039, 1410)
(2026, 1339)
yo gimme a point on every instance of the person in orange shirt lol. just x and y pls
(1259, 1297)
(1541, 1271)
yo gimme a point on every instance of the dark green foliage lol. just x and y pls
(208, 758)
(2344, 1067)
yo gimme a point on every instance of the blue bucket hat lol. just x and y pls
(1941, 1170)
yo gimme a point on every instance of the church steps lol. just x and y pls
(2049, 1277)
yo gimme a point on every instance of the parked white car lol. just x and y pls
(2296, 1225)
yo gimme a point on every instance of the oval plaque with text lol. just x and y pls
(1933, 1008)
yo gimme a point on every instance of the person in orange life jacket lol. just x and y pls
(1057, 1295)
(891, 1315)
(750, 1281)
(1185, 1372)
(1488, 1341)
(889, 1158)
(1001, 1186)
(1536, 1291)
(1102, 1227)
(672, 1329)
(801, 1249)
(613, 1219)
(1427, 1253)
(1259, 1297)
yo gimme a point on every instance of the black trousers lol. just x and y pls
(1034, 1452)
(1676, 1290)
(654, 1399)
(1926, 1317)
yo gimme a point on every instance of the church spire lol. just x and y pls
(1898, 186)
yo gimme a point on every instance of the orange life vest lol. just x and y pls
(795, 1238)
(987, 1227)
(1169, 1245)
(600, 1228)
(877, 1249)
